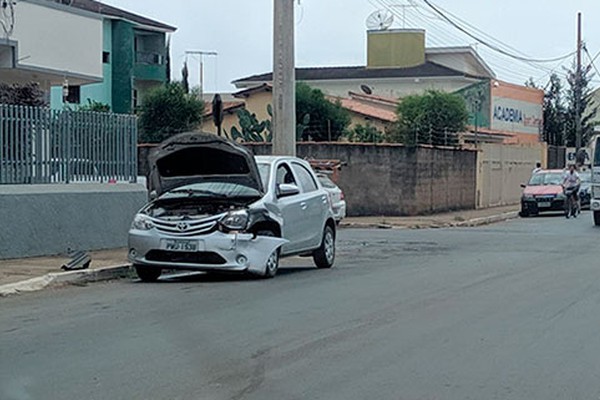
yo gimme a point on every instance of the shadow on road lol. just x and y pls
(219, 277)
(554, 214)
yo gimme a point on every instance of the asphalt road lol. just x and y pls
(509, 311)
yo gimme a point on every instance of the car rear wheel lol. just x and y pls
(147, 274)
(324, 256)
(272, 265)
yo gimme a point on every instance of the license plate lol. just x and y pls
(544, 204)
(180, 245)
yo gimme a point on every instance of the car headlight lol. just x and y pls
(142, 223)
(236, 220)
(528, 197)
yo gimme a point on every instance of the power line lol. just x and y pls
(490, 45)
(438, 35)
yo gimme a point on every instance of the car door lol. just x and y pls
(314, 205)
(290, 208)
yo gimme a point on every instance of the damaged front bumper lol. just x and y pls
(217, 251)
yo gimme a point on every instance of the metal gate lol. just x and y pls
(40, 145)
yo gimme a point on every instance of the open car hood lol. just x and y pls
(197, 157)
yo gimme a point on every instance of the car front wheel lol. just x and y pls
(272, 265)
(324, 256)
(147, 274)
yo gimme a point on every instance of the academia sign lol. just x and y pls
(516, 116)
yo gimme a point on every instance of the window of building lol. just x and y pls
(305, 177)
(74, 96)
(105, 57)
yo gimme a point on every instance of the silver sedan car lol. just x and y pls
(217, 207)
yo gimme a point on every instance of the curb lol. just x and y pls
(492, 219)
(62, 278)
(435, 225)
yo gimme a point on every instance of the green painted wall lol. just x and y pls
(149, 72)
(122, 66)
(478, 99)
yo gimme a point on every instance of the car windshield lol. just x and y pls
(326, 182)
(546, 178)
(265, 172)
(212, 189)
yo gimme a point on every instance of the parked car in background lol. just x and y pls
(542, 193)
(585, 191)
(218, 208)
(336, 196)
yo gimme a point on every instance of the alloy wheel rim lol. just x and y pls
(273, 262)
(329, 247)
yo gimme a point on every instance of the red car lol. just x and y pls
(544, 192)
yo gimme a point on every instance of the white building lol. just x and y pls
(47, 42)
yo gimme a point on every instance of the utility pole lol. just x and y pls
(284, 79)
(201, 55)
(578, 88)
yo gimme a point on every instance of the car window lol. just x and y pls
(265, 173)
(307, 182)
(284, 175)
(326, 182)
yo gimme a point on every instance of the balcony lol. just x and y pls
(150, 66)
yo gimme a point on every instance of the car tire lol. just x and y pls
(148, 274)
(524, 214)
(272, 265)
(597, 218)
(324, 256)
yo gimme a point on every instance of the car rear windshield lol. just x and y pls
(542, 179)
(326, 182)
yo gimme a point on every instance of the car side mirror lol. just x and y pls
(287, 190)
(523, 185)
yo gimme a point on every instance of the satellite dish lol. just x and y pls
(366, 89)
(380, 20)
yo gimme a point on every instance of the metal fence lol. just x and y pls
(40, 145)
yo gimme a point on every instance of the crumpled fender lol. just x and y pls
(259, 249)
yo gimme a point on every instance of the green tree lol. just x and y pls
(95, 106)
(365, 134)
(579, 85)
(326, 120)
(168, 110)
(434, 118)
(27, 94)
(554, 112)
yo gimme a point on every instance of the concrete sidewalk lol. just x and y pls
(445, 220)
(30, 274)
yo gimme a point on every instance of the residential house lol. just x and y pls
(399, 64)
(84, 49)
(134, 59)
(47, 42)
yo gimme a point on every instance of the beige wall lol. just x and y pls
(257, 104)
(501, 169)
(58, 40)
(229, 120)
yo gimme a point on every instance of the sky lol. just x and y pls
(333, 32)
